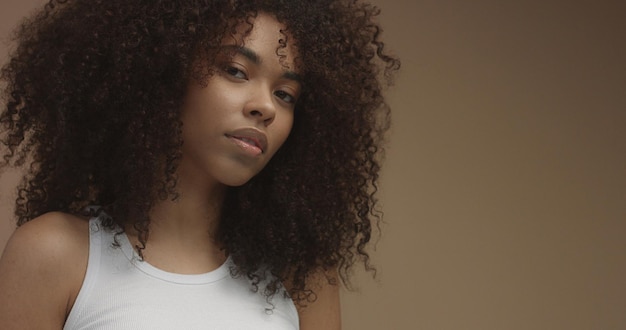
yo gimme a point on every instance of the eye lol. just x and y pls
(286, 97)
(235, 72)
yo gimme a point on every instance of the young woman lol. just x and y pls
(191, 164)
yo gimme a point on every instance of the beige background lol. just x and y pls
(504, 189)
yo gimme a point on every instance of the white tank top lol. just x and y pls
(121, 292)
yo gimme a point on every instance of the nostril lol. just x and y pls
(256, 113)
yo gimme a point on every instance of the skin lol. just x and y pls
(41, 271)
(45, 260)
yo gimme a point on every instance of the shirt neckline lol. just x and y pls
(189, 279)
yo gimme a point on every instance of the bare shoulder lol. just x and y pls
(324, 312)
(41, 271)
(51, 227)
(48, 240)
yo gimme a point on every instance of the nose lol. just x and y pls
(261, 107)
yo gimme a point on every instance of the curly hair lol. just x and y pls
(93, 97)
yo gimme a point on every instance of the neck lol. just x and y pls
(193, 213)
(182, 231)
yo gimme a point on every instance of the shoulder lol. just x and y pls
(324, 311)
(42, 268)
(49, 226)
(49, 238)
(54, 245)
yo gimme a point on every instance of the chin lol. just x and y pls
(235, 183)
(236, 180)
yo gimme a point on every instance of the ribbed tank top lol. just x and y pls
(122, 292)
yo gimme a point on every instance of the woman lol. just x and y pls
(192, 164)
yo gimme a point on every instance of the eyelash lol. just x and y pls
(240, 74)
(233, 71)
(286, 97)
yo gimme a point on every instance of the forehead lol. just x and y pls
(259, 37)
(255, 23)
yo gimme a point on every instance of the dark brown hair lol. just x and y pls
(93, 95)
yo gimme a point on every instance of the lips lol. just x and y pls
(250, 139)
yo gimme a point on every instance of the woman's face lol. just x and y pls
(234, 125)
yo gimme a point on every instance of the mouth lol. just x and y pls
(249, 139)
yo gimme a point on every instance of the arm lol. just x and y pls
(41, 271)
(325, 312)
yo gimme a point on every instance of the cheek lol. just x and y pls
(282, 129)
(286, 128)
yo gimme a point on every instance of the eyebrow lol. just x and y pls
(253, 57)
